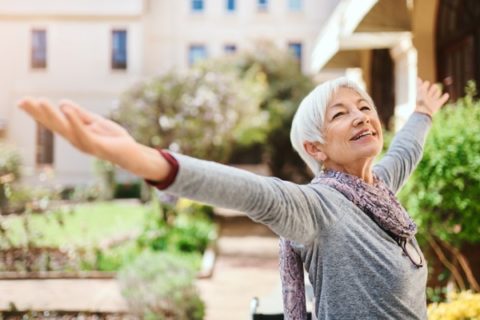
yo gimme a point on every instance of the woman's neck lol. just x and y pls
(361, 170)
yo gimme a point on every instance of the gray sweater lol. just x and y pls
(356, 269)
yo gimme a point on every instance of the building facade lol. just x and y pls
(91, 51)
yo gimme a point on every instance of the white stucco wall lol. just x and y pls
(159, 35)
(78, 68)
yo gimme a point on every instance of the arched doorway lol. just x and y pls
(458, 44)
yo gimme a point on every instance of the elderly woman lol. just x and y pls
(355, 239)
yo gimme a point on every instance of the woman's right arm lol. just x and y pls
(293, 211)
(296, 212)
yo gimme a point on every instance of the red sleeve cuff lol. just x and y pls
(167, 182)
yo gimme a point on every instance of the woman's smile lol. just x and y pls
(352, 133)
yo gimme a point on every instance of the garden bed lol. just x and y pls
(10, 256)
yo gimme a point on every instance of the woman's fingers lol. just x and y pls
(429, 97)
(99, 124)
(434, 91)
(51, 117)
(85, 116)
(81, 137)
(31, 106)
(444, 98)
(55, 119)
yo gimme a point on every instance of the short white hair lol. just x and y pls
(307, 125)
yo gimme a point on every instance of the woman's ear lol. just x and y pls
(315, 150)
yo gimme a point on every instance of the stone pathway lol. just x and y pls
(239, 278)
(59, 294)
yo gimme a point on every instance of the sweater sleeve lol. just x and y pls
(296, 212)
(405, 152)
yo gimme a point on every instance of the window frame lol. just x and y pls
(44, 146)
(115, 64)
(262, 5)
(194, 8)
(192, 60)
(231, 6)
(292, 47)
(230, 48)
(295, 5)
(40, 64)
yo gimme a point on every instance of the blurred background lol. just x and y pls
(219, 80)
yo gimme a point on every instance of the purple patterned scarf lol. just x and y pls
(375, 200)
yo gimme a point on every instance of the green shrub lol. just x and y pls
(161, 286)
(10, 163)
(10, 160)
(105, 173)
(287, 86)
(198, 113)
(185, 227)
(443, 193)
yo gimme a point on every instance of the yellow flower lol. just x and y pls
(460, 306)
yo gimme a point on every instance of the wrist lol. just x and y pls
(152, 165)
(424, 113)
(421, 108)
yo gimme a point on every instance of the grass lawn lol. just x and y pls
(82, 225)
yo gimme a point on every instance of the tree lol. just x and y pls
(443, 193)
(199, 113)
(287, 86)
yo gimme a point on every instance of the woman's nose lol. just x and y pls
(360, 118)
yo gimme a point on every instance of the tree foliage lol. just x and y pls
(287, 86)
(198, 113)
(443, 194)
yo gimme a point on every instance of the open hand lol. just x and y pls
(97, 136)
(429, 97)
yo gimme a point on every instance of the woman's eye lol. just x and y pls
(365, 108)
(336, 115)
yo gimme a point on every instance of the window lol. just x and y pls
(39, 49)
(197, 5)
(44, 148)
(196, 53)
(296, 49)
(262, 5)
(119, 49)
(295, 5)
(230, 49)
(231, 5)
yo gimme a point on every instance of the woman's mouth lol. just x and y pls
(362, 134)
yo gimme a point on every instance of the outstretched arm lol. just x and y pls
(98, 137)
(407, 147)
(293, 211)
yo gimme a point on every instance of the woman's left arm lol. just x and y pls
(406, 148)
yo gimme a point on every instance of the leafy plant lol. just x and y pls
(185, 227)
(161, 286)
(287, 86)
(10, 162)
(198, 113)
(105, 172)
(442, 194)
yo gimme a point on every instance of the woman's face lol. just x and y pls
(352, 131)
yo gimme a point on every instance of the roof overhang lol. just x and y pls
(339, 33)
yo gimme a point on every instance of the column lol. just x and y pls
(404, 56)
